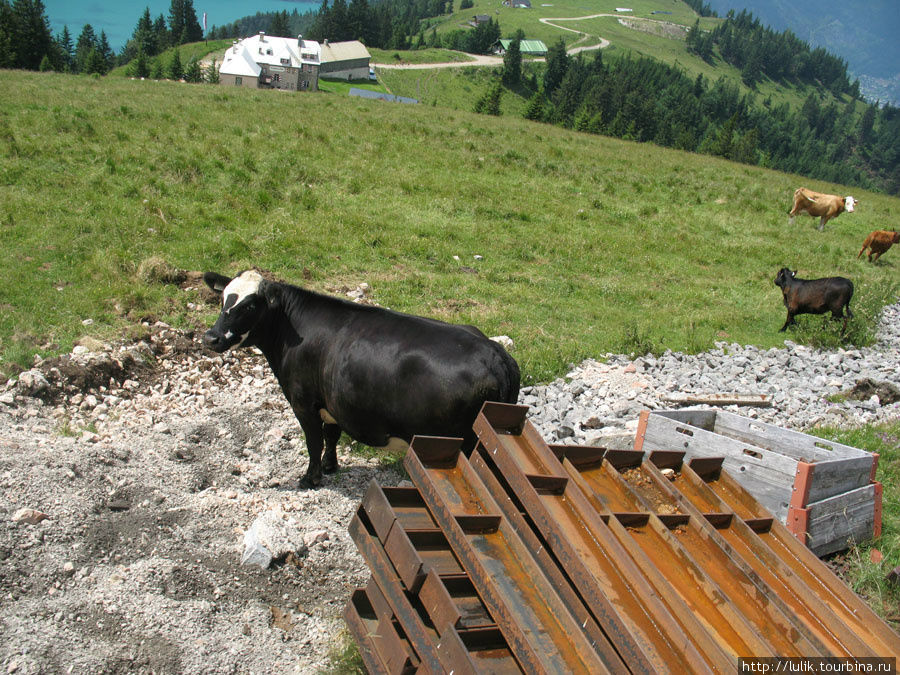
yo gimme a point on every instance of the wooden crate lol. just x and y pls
(824, 492)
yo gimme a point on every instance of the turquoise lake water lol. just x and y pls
(119, 18)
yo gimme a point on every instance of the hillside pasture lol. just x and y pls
(590, 244)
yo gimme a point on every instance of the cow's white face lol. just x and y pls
(242, 307)
(849, 203)
(241, 287)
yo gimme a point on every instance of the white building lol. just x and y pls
(267, 62)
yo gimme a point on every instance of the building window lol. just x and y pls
(237, 81)
(276, 77)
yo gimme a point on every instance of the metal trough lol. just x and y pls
(527, 557)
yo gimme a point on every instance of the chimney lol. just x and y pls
(234, 47)
(262, 36)
(326, 42)
(300, 40)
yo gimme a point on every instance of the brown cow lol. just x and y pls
(878, 242)
(819, 204)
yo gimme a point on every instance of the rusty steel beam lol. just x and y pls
(812, 614)
(537, 625)
(707, 483)
(363, 622)
(683, 607)
(690, 540)
(436, 655)
(606, 645)
(427, 569)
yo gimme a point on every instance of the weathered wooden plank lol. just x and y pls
(846, 516)
(757, 400)
(702, 419)
(830, 478)
(794, 444)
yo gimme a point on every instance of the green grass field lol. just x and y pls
(587, 241)
(868, 577)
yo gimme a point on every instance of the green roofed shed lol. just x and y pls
(530, 47)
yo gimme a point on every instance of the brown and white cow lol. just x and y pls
(820, 205)
(878, 242)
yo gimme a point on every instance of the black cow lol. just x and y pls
(378, 375)
(815, 296)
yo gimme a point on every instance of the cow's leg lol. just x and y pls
(822, 222)
(312, 429)
(877, 256)
(329, 461)
(788, 322)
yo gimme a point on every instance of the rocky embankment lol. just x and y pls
(130, 475)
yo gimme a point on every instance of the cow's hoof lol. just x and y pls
(330, 466)
(309, 483)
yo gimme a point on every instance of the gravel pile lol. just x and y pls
(599, 401)
(133, 476)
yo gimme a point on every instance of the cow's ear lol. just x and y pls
(215, 281)
(794, 273)
(271, 293)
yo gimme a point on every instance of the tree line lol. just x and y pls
(760, 52)
(27, 42)
(644, 100)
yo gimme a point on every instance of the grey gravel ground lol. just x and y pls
(129, 475)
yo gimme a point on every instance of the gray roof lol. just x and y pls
(368, 93)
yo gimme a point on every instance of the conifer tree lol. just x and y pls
(193, 73)
(161, 33)
(535, 109)
(66, 49)
(557, 65)
(512, 61)
(86, 43)
(212, 73)
(144, 37)
(7, 31)
(106, 52)
(279, 26)
(140, 67)
(95, 64)
(31, 37)
(176, 70)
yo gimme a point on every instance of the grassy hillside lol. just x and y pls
(647, 32)
(590, 244)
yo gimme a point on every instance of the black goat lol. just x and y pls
(815, 296)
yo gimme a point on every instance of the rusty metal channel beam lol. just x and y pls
(538, 626)
(687, 536)
(812, 616)
(609, 646)
(435, 655)
(654, 629)
(381, 646)
(706, 482)
(431, 574)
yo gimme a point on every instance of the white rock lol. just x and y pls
(32, 382)
(505, 341)
(29, 516)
